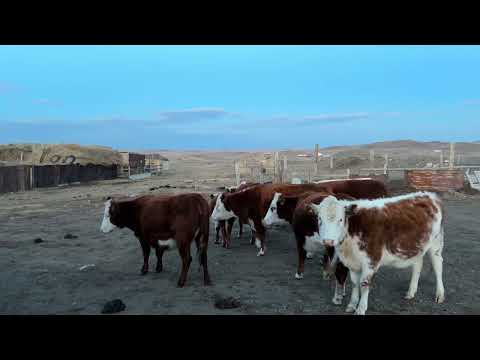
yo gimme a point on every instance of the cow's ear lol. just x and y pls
(108, 198)
(281, 201)
(212, 196)
(350, 209)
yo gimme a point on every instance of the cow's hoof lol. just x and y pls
(143, 272)
(159, 269)
(298, 276)
(440, 298)
(326, 275)
(409, 296)
(359, 312)
(309, 255)
(350, 309)
(261, 253)
(337, 300)
(180, 285)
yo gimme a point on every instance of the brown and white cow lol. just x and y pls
(395, 232)
(164, 222)
(226, 226)
(305, 226)
(251, 204)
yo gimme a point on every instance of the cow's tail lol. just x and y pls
(202, 238)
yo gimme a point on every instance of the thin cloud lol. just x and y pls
(337, 117)
(472, 102)
(6, 88)
(195, 114)
(48, 102)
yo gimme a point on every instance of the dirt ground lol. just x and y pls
(45, 278)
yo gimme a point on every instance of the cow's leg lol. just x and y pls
(253, 237)
(435, 253)
(217, 232)
(260, 243)
(365, 280)
(184, 250)
(159, 251)
(240, 228)
(146, 255)
(301, 257)
(341, 273)
(329, 261)
(352, 305)
(224, 233)
(416, 270)
(230, 223)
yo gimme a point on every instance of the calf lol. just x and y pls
(163, 223)
(305, 228)
(396, 232)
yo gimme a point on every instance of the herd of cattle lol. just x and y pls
(360, 227)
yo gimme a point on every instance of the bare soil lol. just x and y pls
(45, 277)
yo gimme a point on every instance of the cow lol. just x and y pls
(305, 227)
(394, 232)
(221, 224)
(164, 222)
(251, 204)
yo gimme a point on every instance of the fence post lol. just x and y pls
(441, 158)
(331, 161)
(284, 175)
(237, 173)
(386, 165)
(372, 158)
(452, 155)
(348, 173)
(275, 168)
(316, 159)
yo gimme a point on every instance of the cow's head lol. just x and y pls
(332, 218)
(275, 213)
(222, 210)
(111, 216)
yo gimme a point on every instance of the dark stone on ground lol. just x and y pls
(113, 306)
(70, 236)
(38, 240)
(227, 303)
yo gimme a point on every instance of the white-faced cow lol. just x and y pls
(226, 226)
(305, 227)
(164, 222)
(251, 204)
(396, 232)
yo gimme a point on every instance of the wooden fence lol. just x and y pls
(27, 177)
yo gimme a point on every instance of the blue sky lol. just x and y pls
(238, 97)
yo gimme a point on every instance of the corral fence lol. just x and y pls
(27, 177)
(445, 175)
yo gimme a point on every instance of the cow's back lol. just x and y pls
(359, 189)
(167, 214)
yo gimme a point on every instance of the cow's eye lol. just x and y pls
(273, 208)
